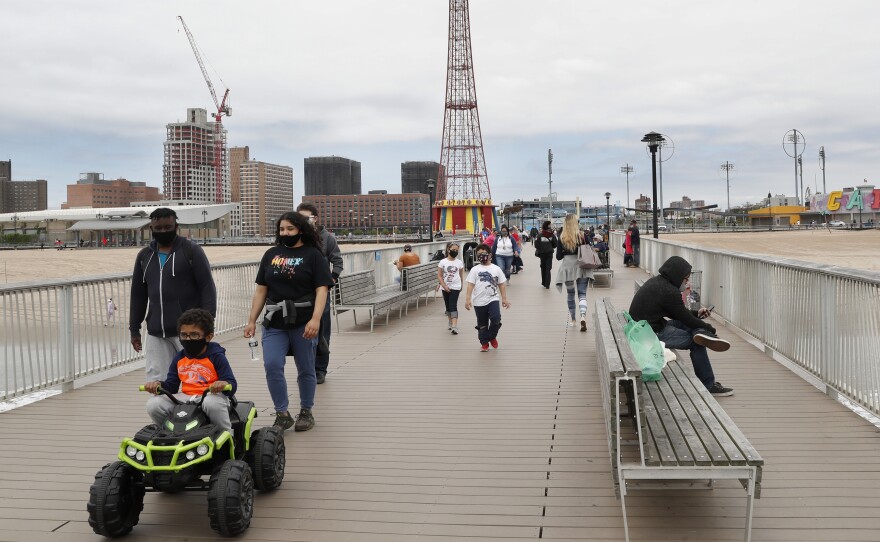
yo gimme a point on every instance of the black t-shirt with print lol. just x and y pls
(293, 273)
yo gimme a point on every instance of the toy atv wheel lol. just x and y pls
(116, 500)
(231, 498)
(267, 458)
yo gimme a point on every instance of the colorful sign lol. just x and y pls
(846, 202)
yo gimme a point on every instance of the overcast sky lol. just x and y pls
(90, 85)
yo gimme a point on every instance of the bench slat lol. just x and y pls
(708, 440)
(665, 454)
(690, 431)
(732, 452)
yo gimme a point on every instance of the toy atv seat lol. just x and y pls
(188, 452)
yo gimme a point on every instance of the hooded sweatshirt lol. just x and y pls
(660, 297)
(171, 289)
(330, 249)
(193, 375)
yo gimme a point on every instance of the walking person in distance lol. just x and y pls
(504, 249)
(636, 242)
(570, 274)
(450, 274)
(174, 275)
(545, 245)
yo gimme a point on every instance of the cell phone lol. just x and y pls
(710, 308)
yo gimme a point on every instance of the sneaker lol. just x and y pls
(484, 347)
(321, 377)
(283, 421)
(583, 323)
(570, 323)
(711, 341)
(455, 331)
(494, 343)
(304, 421)
(717, 390)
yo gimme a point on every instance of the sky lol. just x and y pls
(90, 85)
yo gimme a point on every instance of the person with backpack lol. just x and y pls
(174, 275)
(545, 246)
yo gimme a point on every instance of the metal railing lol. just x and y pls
(55, 332)
(822, 317)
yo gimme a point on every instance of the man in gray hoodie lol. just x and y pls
(174, 275)
(330, 248)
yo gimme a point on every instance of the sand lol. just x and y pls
(845, 248)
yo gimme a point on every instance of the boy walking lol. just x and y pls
(485, 281)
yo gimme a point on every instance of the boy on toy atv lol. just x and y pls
(201, 364)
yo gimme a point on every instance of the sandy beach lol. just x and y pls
(855, 249)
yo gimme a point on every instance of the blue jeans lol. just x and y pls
(678, 336)
(276, 344)
(637, 254)
(581, 294)
(488, 321)
(504, 262)
(450, 298)
(322, 361)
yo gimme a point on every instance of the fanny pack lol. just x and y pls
(284, 313)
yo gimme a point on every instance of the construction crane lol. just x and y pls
(222, 108)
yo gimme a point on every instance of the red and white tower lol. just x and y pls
(464, 201)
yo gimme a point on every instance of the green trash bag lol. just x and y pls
(646, 347)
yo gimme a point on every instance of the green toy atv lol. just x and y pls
(180, 455)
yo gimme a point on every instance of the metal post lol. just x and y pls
(654, 141)
(800, 162)
(727, 166)
(627, 169)
(822, 165)
(608, 209)
(770, 208)
(550, 180)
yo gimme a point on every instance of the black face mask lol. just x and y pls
(483, 257)
(193, 347)
(289, 240)
(164, 238)
(453, 253)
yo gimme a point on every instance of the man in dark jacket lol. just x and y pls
(545, 246)
(636, 242)
(331, 251)
(174, 275)
(659, 299)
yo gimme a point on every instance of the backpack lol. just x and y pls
(439, 255)
(144, 254)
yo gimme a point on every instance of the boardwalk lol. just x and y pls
(421, 437)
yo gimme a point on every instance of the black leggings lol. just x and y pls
(451, 300)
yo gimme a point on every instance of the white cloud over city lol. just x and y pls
(90, 85)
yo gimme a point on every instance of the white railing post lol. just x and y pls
(65, 337)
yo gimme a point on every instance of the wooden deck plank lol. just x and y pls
(421, 437)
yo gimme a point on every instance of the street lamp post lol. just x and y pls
(654, 140)
(794, 139)
(608, 209)
(204, 227)
(822, 166)
(770, 208)
(550, 180)
(430, 183)
(627, 169)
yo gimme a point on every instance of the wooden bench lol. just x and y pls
(679, 436)
(605, 270)
(416, 280)
(358, 291)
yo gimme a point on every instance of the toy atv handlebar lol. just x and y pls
(163, 391)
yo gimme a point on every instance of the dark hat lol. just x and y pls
(407, 247)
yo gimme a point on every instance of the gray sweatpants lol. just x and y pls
(216, 406)
(158, 353)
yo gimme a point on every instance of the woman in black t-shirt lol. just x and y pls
(292, 284)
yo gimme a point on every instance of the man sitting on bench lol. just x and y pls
(660, 298)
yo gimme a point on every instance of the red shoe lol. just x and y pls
(494, 343)
(484, 347)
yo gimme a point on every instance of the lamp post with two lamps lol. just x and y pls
(204, 226)
(654, 140)
(608, 209)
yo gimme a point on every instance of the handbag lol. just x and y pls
(646, 347)
(588, 258)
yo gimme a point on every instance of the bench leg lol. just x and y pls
(750, 506)
(623, 509)
(372, 317)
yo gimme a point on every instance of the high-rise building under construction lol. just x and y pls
(414, 177)
(188, 172)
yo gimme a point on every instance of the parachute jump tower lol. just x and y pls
(463, 200)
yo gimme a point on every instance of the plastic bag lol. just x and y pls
(646, 347)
